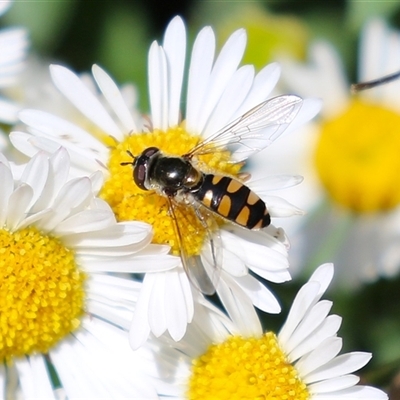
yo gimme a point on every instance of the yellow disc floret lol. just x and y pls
(357, 158)
(129, 202)
(42, 294)
(252, 368)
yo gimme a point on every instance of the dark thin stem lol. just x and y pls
(356, 87)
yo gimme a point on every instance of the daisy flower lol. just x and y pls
(64, 312)
(218, 92)
(13, 48)
(350, 161)
(219, 361)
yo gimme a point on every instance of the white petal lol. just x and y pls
(156, 312)
(277, 276)
(262, 86)
(310, 108)
(85, 221)
(59, 166)
(245, 245)
(319, 357)
(310, 322)
(18, 204)
(158, 87)
(6, 188)
(34, 377)
(239, 306)
(199, 73)
(274, 182)
(82, 98)
(36, 173)
(80, 157)
(78, 380)
(354, 393)
(175, 305)
(133, 264)
(56, 128)
(279, 207)
(140, 328)
(121, 234)
(341, 365)
(328, 328)
(232, 98)
(223, 69)
(323, 275)
(233, 264)
(334, 384)
(74, 196)
(188, 296)
(260, 296)
(304, 299)
(114, 98)
(175, 50)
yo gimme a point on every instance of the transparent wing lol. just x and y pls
(255, 129)
(203, 269)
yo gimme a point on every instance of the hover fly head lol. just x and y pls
(141, 166)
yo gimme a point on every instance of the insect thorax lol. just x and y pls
(171, 174)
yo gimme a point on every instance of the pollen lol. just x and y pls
(129, 202)
(357, 158)
(246, 368)
(42, 293)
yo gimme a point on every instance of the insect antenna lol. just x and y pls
(129, 162)
(357, 87)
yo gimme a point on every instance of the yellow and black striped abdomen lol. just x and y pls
(233, 201)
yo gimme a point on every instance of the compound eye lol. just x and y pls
(140, 174)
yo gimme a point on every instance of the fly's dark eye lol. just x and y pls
(142, 165)
(139, 174)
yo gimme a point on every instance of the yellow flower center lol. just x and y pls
(357, 158)
(239, 368)
(129, 202)
(41, 296)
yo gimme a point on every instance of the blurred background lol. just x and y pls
(117, 34)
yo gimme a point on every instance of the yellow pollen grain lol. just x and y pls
(42, 294)
(251, 368)
(357, 158)
(129, 202)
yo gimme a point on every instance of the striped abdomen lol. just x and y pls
(233, 201)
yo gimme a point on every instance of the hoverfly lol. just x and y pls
(185, 185)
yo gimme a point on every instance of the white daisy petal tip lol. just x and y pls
(176, 24)
(323, 274)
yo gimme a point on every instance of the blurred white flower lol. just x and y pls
(349, 160)
(13, 49)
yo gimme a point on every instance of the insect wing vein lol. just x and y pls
(276, 113)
